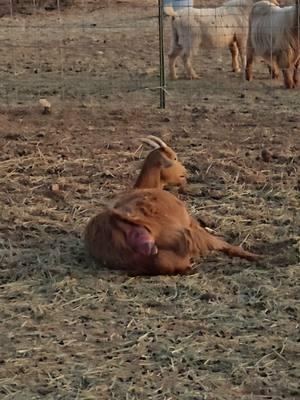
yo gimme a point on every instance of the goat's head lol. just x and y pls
(164, 160)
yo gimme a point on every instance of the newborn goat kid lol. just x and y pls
(148, 230)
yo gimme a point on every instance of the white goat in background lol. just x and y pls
(225, 26)
(274, 35)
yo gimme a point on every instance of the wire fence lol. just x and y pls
(78, 54)
(86, 52)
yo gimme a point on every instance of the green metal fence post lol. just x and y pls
(162, 77)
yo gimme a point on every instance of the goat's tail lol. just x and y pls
(203, 242)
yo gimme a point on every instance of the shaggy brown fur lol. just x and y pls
(171, 238)
(149, 231)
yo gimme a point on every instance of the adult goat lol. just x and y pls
(149, 231)
(274, 35)
(225, 26)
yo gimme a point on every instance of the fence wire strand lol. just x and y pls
(90, 55)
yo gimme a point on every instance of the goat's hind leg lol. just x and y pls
(234, 57)
(288, 70)
(173, 55)
(288, 76)
(218, 244)
(190, 72)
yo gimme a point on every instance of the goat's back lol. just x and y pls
(155, 207)
(211, 27)
(270, 27)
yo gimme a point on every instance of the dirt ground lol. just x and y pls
(73, 330)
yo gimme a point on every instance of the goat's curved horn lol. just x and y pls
(158, 140)
(150, 142)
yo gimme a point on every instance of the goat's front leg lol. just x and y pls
(274, 71)
(234, 57)
(173, 55)
(166, 262)
(190, 72)
(288, 70)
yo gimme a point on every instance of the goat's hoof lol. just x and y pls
(193, 77)
(173, 77)
(275, 77)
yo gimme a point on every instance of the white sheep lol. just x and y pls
(274, 35)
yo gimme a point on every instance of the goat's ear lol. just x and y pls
(169, 153)
(165, 162)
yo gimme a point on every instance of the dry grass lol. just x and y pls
(230, 330)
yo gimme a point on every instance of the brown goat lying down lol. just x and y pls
(149, 231)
